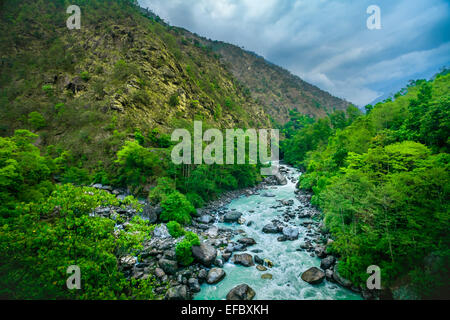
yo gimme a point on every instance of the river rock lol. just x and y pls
(226, 256)
(169, 266)
(241, 292)
(258, 260)
(202, 274)
(327, 262)
(261, 268)
(161, 232)
(291, 233)
(247, 241)
(159, 273)
(204, 253)
(178, 293)
(244, 259)
(194, 285)
(281, 180)
(206, 219)
(270, 228)
(151, 213)
(267, 276)
(232, 216)
(313, 275)
(215, 275)
(329, 274)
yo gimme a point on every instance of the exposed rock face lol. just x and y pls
(178, 293)
(151, 213)
(241, 292)
(232, 216)
(327, 262)
(215, 275)
(244, 259)
(313, 275)
(205, 254)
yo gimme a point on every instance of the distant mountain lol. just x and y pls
(274, 88)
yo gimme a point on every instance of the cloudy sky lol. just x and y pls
(327, 42)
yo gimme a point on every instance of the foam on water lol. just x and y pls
(289, 264)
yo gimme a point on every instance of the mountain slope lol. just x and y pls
(122, 71)
(274, 88)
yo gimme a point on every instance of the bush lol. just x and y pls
(174, 100)
(195, 199)
(165, 187)
(177, 208)
(175, 229)
(184, 249)
(36, 120)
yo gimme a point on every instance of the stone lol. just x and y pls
(169, 266)
(160, 273)
(268, 263)
(215, 275)
(267, 276)
(206, 219)
(313, 276)
(261, 268)
(128, 261)
(281, 180)
(178, 293)
(244, 259)
(241, 292)
(226, 256)
(291, 233)
(151, 213)
(247, 241)
(194, 285)
(232, 216)
(161, 232)
(202, 274)
(327, 262)
(339, 279)
(259, 260)
(270, 228)
(205, 254)
(329, 274)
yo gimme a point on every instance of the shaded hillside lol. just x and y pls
(122, 71)
(274, 88)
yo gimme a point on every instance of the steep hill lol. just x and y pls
(274, 88)
(122, 71)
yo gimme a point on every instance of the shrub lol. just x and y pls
(195, 199)
(183, 249)
(165, 187)
(175, 229)
(174, 100)
(177, 208)
(36, 120)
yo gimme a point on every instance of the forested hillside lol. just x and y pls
(382, 181)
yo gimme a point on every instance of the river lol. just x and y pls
(289, 263)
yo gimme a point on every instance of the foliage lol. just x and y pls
(175, 229)
(177, 208)
(183, 249)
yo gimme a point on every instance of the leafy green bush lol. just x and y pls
(183, 249)
(174, 100)
(36, 120)
(175, 229)
(195, 199)
(177, 208)
(165, 187)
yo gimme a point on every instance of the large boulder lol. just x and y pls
(205, 254)
(241, 292)
(313, 275)
(168, 266)
(291, 233)
(232, 216)
(244, 259)
(206, 219)
(194, 285)
(178, 293)
(327, 262)
(215, 275)
(270, 228)
(151, 213)
(281, 180)
(247, 241)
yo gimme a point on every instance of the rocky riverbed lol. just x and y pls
(265, 242)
